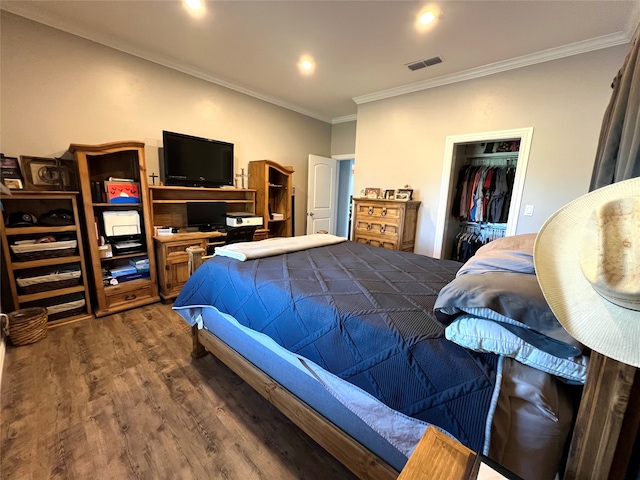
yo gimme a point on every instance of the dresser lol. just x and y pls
(385, 223)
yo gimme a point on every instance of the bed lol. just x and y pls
(364, 347)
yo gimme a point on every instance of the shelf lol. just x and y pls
(36, 194)
(50, 293)
(194, 200)
(66, 320)
(39, 230)
(117, 205)
(127, 255)
(38, 203)
(494, 155)
(274, 185)
(46, 262)
(139, 283)
(97, 163)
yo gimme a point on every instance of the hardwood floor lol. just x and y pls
(120, 397)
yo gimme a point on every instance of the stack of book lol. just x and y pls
(141, 264)
(137, 268)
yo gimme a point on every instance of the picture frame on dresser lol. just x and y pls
(371, 192)
(404, 194)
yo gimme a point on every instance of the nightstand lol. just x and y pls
(438, 457)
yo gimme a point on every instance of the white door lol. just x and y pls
(322, 195)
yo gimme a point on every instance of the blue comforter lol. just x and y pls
(365, 315)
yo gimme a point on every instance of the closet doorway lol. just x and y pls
(460, 151)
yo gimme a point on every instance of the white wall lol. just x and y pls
(58, 89)
(401, 140)
(343, 138)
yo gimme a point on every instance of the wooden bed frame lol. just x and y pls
(607, 424)
(353, 455)
(605, 430)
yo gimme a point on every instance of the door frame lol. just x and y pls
(447, 189)
(340, 180)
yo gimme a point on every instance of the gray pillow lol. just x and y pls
(513, 299)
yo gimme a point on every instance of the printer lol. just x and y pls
(123, 232)
(243, 219)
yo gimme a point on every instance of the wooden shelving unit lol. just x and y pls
(38, 203)
(97, 163)
(169, 208)
(274, 185)
(169, 204)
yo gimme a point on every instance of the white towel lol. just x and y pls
(275, 246)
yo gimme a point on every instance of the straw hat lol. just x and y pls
(587, 258)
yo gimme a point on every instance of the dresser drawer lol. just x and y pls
(366, 210)
(124, 293)
(377, 227)
(390, 243)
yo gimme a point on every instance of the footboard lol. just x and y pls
(357, 458)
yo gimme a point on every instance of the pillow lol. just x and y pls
(507, 254)
(521, 243)
(515, 300)
(484, 335)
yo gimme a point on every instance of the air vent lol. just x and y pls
(424, 63)
(432, 61)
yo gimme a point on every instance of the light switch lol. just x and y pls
(528, 210)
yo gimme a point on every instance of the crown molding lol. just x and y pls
(345, 119)
(577, 48)
(31, 13)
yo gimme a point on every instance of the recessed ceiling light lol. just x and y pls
(195, 7)
(193, 4)
(306, 65)
(426, 18)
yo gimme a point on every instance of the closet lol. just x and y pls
(483, 187)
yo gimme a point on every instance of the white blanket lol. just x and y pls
(275, 246)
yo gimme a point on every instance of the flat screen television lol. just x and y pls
(206, 216)
(196, 162)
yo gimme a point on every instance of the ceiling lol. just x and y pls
(361, 48)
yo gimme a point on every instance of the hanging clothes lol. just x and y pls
(618, 153)
(471, 238)
(483, 193)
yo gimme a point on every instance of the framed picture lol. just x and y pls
(41, 173)
(405, 194)
(372, 192)
(389, 194)
(10, 170)
(122, 192)
(13, 183)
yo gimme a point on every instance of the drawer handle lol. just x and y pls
(384, 211)
(370, 210)
(368, 226)
(382, 228)
(130, 296)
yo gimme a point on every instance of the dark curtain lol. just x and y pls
(618, 154)
(618, 158)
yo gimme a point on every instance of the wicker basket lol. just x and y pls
(39, 251)
(28, 325)
(51, 281)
